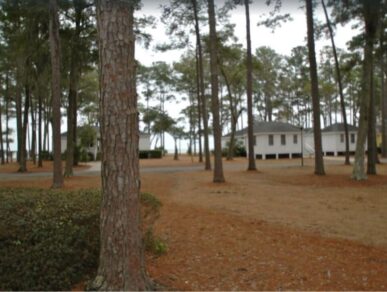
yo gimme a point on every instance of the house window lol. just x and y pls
(283, 139)
(295, 139)
(353, 138)
(342, 138)
(271, 140)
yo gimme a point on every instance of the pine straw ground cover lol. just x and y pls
(279, 228)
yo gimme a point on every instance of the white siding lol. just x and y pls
(144, 143)
(331, 142)
(263, 148)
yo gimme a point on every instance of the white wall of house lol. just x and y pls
(263, 149)
(334, 142)
(277, 144)
(144, 143)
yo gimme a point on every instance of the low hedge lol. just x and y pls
(49, 240)
(149, 154)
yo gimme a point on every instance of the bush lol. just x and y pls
(149, 154)
(239, 150)
(49, 240)
(47, 155)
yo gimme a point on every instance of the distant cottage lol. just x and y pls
(333, 140)
(271, 140)
(94, 147)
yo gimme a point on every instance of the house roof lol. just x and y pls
(339, 127)
(268, 127)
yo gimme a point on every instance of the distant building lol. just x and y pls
(94, 148)
(333, 140)
(271, 140)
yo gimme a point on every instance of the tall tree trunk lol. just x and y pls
(176, 155)
(40, 132)
(370, 9)
(19, 116)
(250, 117)
(319, 162)
(33, 132)
(207, 157)
(121, 262)
(73, 92)
(2, 156)
(23, 144)
(56, 92)
(199, 106)
(371, 135)
(383, 71)
(7, 116)
(218, 166)
(340, 83)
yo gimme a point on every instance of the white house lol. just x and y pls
(94, 148)
(271, 140)
(333, 140)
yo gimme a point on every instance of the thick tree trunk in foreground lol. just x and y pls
(370, 13)
(340, 83)
(121, 264)
(319, 162)
(204, 111)
(218, 165)
(250, 118)
(56, 93)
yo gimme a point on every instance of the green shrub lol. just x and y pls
(149, 154)
(154, 244)
(49, 240)
(239, 150)
(47, 155)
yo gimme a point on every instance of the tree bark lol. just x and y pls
(370, 11)
(19, 117)
(23, 144)
(371, 134)
(319, 162)
(207, 157)
(383, 71)
(40, 130)
(121, 264)
(2, 156)
(218, 166)
(73, 92)
(250, 117)
(340, 83)
(56, 92)
(7, 97)
(199, 108)
(33, 132)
